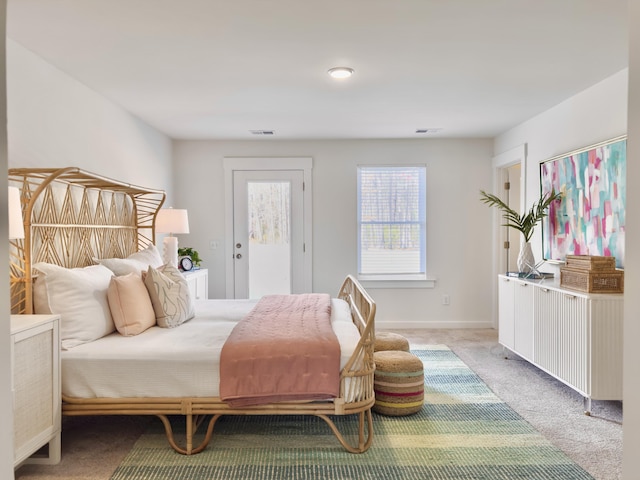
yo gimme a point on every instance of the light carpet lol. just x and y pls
(464, 431)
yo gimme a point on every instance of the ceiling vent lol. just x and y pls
(428, 130)
(262, 132)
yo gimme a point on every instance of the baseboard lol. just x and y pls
(422, 325)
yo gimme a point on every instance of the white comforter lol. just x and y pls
(178, 362)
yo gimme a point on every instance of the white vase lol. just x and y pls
(526, 260)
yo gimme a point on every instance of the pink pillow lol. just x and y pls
(130, 305)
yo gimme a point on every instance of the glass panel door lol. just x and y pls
(268, 233)
(269, 212)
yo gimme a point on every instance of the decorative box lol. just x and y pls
(592, 281)
(590, 262)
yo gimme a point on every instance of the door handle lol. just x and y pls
(238, 256)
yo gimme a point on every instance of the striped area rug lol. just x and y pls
(463, 432)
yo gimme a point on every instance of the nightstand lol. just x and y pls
(37, 404)
(198, 281)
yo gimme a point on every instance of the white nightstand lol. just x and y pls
(198, 281)
(37, 404)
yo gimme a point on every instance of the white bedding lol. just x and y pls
(176, 362)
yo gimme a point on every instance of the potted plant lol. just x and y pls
(524, 223)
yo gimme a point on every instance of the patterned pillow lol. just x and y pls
(170, 297)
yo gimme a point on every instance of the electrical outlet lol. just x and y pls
(446, 300)
(213, 245)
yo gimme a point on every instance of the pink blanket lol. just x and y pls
(284, 349)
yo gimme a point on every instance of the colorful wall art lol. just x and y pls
(590, 218)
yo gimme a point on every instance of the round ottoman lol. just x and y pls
(390, 341)
(398, 383)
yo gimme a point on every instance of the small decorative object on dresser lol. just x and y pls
(592, 274)
(524, 223)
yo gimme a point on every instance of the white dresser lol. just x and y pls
(575, 337)
(198, 281)
(35, 365)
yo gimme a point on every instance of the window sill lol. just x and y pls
(404, 283)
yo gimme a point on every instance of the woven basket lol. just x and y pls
(592, 281)
(398, 383)
(390, 341)
(590, 262)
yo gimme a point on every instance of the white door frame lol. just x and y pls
(232, 164)
(500, 163)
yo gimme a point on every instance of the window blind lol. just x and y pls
(391, 221)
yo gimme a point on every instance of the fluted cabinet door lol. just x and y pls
(506, 319)
(523, 319)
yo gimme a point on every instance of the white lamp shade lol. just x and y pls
(172, 220)
(16, 224)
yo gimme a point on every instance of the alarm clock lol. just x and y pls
(185, 263)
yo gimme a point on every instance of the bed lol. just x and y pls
(77, 221)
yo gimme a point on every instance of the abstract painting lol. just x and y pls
(590, 218)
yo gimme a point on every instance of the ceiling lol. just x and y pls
(215, 69)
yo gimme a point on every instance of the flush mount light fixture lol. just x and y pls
(341, 72)
(428, 130)
(262, 132)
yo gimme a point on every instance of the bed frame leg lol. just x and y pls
(191, 428)
(365, 435)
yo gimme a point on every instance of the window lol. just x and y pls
(392, 223)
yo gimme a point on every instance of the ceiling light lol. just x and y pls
(341, 72)
(262, 132)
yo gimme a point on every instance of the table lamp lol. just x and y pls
(171, 221)
(16, 223)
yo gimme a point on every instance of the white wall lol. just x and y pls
(458, 223)
(56, 121)
(596, 114)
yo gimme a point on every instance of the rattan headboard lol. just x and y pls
(71, 216)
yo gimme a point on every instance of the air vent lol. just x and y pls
(428, 130)
(262, 132)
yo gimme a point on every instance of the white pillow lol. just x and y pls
(135, 263)
(170, 297)
(79, 296)
(130, 305)
(122, 266)
(150, 256)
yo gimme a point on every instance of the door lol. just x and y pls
(268, 232)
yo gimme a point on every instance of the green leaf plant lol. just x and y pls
(526, 222)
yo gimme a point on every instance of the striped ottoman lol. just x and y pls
(390, 341)
(398, 383)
